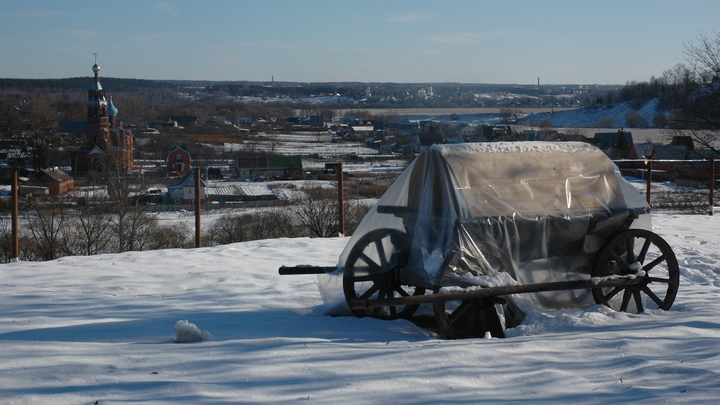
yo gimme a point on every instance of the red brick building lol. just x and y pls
(108, 145)
(178, 161)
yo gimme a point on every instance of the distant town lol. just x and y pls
(116, 152)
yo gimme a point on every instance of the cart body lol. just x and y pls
(546, 208)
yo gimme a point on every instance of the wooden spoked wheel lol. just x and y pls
(639, 253)
(373, 270)
(473, 318)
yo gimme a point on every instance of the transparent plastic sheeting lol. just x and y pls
(538, 211)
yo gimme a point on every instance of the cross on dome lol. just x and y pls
(95, 67)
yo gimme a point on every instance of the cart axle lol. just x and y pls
(494, 292)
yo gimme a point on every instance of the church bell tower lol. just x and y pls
(98, 121)
(107, 143)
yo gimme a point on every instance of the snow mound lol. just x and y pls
(186, 332)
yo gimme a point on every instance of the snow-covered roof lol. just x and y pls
(188, 181)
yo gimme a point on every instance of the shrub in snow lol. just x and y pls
(186, 332)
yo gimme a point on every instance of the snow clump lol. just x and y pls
(186, 332)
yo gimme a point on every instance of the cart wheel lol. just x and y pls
(472, 318)
(373, 271)
(637, 251)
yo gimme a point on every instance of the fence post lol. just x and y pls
(712, 185)
(341, 199)
(649, 180)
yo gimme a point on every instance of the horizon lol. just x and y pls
(90, 77)
(471, 42)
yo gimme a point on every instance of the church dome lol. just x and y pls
(112, 110)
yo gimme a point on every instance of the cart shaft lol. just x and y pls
(493, 292)
(288, 270)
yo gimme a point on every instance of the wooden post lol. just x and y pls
(198, 195)
(712, 185)
(341, 199)
(15, 254)
(649, 180)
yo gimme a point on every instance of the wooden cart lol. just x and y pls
(467, 228)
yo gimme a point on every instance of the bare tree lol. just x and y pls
(5, 240)
(136, 230)
(47, 226)
(227, 229)
(270, 224)
(355, 211)
(171, 237)
(91, 228)
(43, 118)
(6, 251)
(575, 134)
(274, 223)
(607, 122)
(635, 120)
(546, 130)
(131, 222)
(509, 115)
(318, 212)
(698, 110)
(136, 110)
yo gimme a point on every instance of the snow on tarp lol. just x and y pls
(545, 207)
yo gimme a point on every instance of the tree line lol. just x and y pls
(94, 225)
(688, 94)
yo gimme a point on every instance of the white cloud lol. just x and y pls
(37, 13)
(462, 38)
(166, 7)
(145, 37)
(413, 16)
(83, 34)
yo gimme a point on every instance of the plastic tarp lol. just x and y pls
(536, 211)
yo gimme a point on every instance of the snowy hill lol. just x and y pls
(86, 330)
(593, 116)
(598, 118)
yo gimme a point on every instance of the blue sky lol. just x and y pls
(486, 41)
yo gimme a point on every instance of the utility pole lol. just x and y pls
(648, 190)
(712, 185)
(341, 199)
(15, 256)
(198, 195)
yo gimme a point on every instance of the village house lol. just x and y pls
(402, 128)
(50, 182)
(177, 161)
(424, 140)
(163, 124)
(57, 181)
(677, 161)
(218, 120)
(185, 120)
(261, 165)
(609, 140)
(464, 130)
(662, 170)
(184, 192)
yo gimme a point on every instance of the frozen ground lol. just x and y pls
(100, 330)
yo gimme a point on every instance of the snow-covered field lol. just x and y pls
(100, 330)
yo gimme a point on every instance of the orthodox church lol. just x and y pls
(108, 146)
